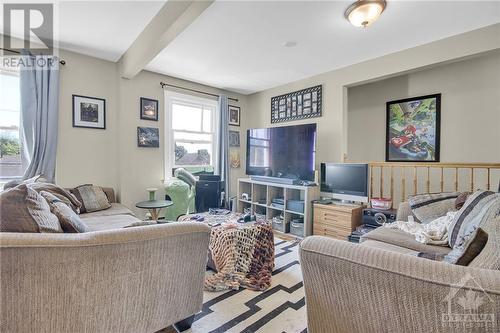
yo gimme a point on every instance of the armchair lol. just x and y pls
(182, 191)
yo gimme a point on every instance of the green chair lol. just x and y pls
(182, 192)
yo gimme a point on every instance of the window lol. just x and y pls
(191, 132)
(10, 147)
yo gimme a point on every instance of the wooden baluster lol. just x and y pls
(428, 182)
(392, 183)
(442, 180)
(472, 179)
(456, 179)
(403, 185)
(381, 182)
(415, 181)
(371, 181)
(488, 179)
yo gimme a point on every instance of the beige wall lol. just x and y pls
(332, 126)
(111, 157)
(470, 110)
(86, 155)
(144, 167)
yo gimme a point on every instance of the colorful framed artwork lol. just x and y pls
(149, 109)
(234, 115)
(89, 112)
(413, 129)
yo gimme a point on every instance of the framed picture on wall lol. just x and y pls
(89, 112)
(413, 129)
(234, 139)
(149, 109)
(234, 115)
(148, 137)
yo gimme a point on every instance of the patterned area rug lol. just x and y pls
(281, 308)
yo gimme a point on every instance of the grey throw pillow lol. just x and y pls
(69, 220)
(480, 207)
(428, 207)
(91, 197)
(23, 209)
(472, 244)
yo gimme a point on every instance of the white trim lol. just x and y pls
(188, 100)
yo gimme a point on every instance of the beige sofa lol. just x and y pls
(113, 279)
(380, 285)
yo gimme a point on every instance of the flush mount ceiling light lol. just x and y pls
(363, 13)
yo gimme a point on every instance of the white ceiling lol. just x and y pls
(239, 46)
(102, 29)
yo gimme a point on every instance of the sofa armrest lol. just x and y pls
(139, 279)
(352, 288)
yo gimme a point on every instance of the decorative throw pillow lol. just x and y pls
(92, 198)
(472, 244)
(22, 209)
(69, 220)
(428, 207)
(480, 207)
(62, 194)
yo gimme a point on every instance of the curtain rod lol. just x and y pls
(62, 61)
(163, 84)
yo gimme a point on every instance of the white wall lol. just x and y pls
(332, 126)
(470, 110)
(111, 157)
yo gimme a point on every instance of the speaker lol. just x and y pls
(208, 193)
(376, 217)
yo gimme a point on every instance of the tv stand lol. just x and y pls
(261, 193)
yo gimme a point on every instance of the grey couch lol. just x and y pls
(380, 285)
(113, 279)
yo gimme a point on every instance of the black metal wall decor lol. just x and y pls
(297, 105)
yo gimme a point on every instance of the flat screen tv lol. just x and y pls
(283, 152)
(345, 181)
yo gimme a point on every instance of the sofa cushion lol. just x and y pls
(473, 243)
(92, 198)
(479, 208)
(23, 209)
(430, 206)
(97, 223)
(388, 247)
(114, 209)
(69, 220)
(402, 239)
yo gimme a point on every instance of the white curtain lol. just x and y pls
(222, 166)
(39, 83)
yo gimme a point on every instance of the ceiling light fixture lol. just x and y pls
(363, 13)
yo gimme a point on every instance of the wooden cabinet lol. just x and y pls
(337, 221)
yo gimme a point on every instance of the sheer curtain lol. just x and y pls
(39, 84)
(222, 166)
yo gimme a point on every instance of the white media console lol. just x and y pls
(262, 193)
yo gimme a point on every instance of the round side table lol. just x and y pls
(154, 206)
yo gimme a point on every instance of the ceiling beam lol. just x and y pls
(171, 20)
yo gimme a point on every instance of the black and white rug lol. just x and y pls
(281, 308)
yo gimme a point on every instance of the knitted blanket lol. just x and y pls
(243, 254)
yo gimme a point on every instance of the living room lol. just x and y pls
(183, 127)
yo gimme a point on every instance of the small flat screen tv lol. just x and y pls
(283, 152)
(344, 181)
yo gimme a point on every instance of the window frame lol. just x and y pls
(171, 98)
(4, 179)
